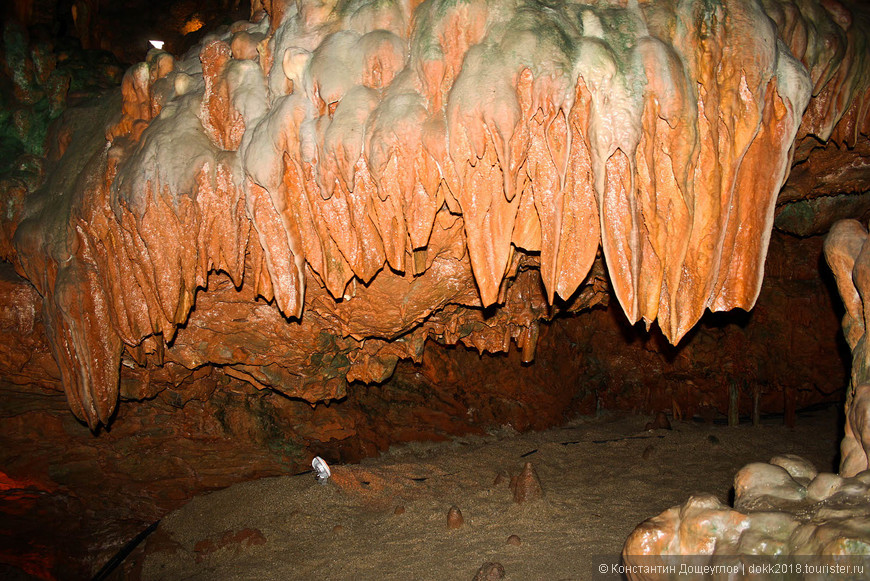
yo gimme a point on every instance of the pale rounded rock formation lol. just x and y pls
(771, 516)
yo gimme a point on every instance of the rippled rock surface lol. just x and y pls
(306, 197)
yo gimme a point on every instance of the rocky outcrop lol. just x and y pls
(785, 507)
(828, 181)
(786, 515)
(308, 196)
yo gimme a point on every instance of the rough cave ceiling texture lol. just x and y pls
(305, 198)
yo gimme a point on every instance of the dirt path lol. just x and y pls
(601, 477)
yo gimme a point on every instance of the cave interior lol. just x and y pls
(236, 236)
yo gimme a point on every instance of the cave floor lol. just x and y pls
(600, 476)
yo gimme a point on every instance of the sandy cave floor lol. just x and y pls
(601, 477)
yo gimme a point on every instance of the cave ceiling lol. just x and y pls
(304, 198)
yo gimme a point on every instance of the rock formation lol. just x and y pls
(850, 261)
(786, 507)
(784, 513)
(306, 197)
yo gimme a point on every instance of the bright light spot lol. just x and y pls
(158, 44)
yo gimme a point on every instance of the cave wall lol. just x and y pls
(124, 29)
(789, 347)
(327, 178)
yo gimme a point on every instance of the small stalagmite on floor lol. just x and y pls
(490, 572)
(455, 520)
(526, 485)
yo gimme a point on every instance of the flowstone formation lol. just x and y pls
(786, 507)
(306, 197)
(785, 512)
(848, 255)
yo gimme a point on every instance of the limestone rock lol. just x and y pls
(798, 468)
(661, 422)
(354, 190)
(848, 256)
(490, 572)
(526, 486)
(760, 483)
(455, 520)
(772, 515)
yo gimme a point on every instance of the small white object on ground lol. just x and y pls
(158, 44)
(321, 469)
